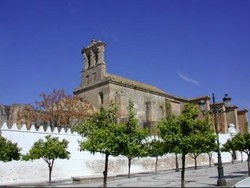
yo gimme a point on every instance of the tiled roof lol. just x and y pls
(199, 98)
(139, 85)
(134, 83)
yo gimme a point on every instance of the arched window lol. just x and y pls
(88, 65)
(100, 98)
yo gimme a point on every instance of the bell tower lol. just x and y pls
(94, 66)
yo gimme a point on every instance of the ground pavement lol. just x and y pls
(202, 177)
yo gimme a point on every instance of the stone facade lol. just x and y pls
(99, 88)
(9, 113)
(242, 120)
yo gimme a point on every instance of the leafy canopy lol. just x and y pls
(102, 132)
(50, 149)
(134, 140)
(203, 138)
(169, 131)
(182, 133)
(242, 142)
(8, 150)
(156, 147)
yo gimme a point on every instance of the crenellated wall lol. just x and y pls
(9, 113)
(80, 163)
(37, 170)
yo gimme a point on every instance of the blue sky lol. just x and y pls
(187, 48)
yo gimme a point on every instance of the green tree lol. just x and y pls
(178, 132)
(203, 139)
(9, 151)
(168, 127)
(134, 142)
(156, 149)
(103, 134)
(242, 143)
(210, 149)
(48, 150)
(229, 146)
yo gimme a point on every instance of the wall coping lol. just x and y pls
(33, 129)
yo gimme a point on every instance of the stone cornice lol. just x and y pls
(92, 46)
(231, 107)
(197, 99)
(80, 90)
(242, 111)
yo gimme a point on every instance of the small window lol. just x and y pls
(94, 76)
(100, 98)
(87, 79)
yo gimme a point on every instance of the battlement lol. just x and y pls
(33, 129)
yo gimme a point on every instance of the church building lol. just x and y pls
(99, 88)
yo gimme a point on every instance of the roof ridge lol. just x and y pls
(134, 83)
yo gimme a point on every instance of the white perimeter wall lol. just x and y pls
(80, 163)
(226, 156)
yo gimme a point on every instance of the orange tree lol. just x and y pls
(134, 143)
(241, 142)
(101, 133)
(156, 148)
(203, 139)
(229, 146)
(48, 150)
(179, 132)
(8, 150)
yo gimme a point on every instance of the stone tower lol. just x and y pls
(151, 103)
(94, 66)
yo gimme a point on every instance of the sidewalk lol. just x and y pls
(202, 177)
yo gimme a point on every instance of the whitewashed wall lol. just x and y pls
(80, 163)
(37, 170)
(226, 156)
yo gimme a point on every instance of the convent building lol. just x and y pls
(100, 87)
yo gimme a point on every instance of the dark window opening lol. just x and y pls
(88, 61)
(96, 58)
(87, 79)
(100, 100)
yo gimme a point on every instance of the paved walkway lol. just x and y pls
(201, 177)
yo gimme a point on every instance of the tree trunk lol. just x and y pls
(195, 162)
(241, 156)
(176, 163)
(232, 155)
(183, 157)
(248, 165)
(129, 165)
(210, 159)
(156, 164)
(105, 172)
(50, 170)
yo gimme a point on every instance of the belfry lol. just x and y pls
(99, 88)
(94, 66)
